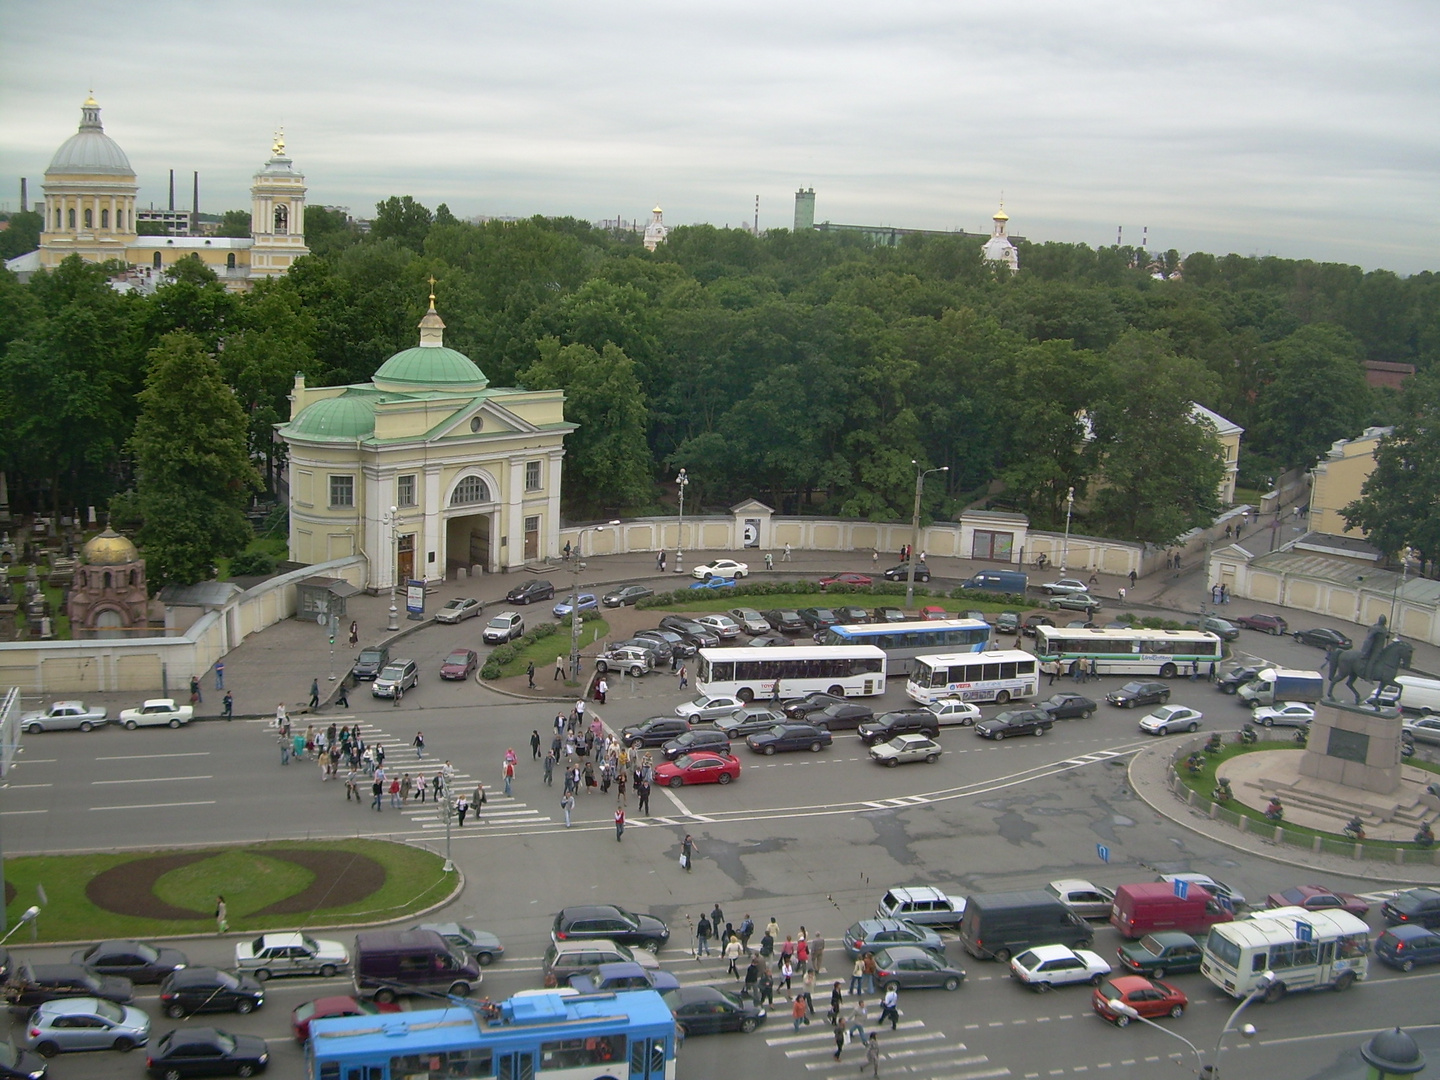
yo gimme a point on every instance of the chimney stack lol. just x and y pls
(172, 191)
(195, 207)
(24, 197)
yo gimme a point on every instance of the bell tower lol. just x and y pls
(277, 214)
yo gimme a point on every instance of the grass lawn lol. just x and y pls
(545, 650)
(249, 879)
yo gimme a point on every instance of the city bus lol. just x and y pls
(1135, 651)
(1000, 676)
(629, 1036)
(748, 674)
(902, 642)
(1306, 950)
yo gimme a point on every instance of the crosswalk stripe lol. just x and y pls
(890, 1041)
(824, 1034)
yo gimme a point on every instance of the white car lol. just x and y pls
(63, 716)
(457, 609)
(1085, 898)
(905, 748)
(157, 712)
(952, 712)
(1170, 718)
(723, 625)
(1234, 897)
(1065, 585)
(708, 707)
(1045, 966)
(1290, 714)
(290, 954)
(750, 620)
(503, 628)
(1425, 729)
(721, 568)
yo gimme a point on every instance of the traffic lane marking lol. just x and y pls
(155, 805)
(151, 757)
(151, 780)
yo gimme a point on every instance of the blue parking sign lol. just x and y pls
(1103, 852)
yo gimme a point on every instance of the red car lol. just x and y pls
(460, 664)
(1317, 898)
(326, 1007)
(1149, 998)
(701, 767)
(846, 579)
(932, 612)
(1269, 624)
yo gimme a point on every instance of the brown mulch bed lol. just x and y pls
(129, 889)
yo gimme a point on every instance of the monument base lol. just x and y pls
(1356, 746)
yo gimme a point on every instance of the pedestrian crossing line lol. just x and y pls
(824, 1035)
(926, 1051)
(890, 1041)
(974, 1074)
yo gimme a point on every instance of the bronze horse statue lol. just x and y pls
(1380, 669)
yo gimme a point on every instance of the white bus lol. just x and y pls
(1137, 651)
(904, 641)
(1306, 950)
(1000, 676)
(748, 674)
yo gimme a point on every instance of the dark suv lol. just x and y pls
(35, 984)
(370, 661)
(659, 650)
(1235, 678)
(1420, 907)
(656, 731)
(901, 722)
(702, 637)
(678, 645)
(1139, 693)
(587, 922)
(1263, 621)
(532, 592)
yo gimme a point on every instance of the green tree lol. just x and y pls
(328, 232)
(234, 223)
(21, 234)
(1316, 394)
(402, 219)
(1397, 505)
(194, 475)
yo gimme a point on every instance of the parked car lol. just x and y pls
(792, 736)
(1149, 998)
(397, 677)
(484, 947)
(60, 1027)
(1228, 895)
(328, 1008)
(706, 707)
(1288, 714)
(870, 934)
(504, 627)
(626, 595)
(1007, 725)
(34, 984)
(1048, 966)
(888, 725)
(890, 614)
(1065, 586)
(678, 645)
(817, 618)
(63, 716)
(1318, 898)
(1222, 628)
(563, 959)
(1160, 953)
(585, 922)
(1007, 622)
(656, 731)
(852, 616)
(933, 613)
(157, 712)
(1068, 706)
(768, 641)
(621, 977)
(460, 664)
(786, 620)
(133, 960)
(902, 572)
(369, 662)
(908, 967)
(708, 1010)
(634, 662)
(803, 707)
(207, 1052)
(952, 712)
(686, 742)
(207, 989)
(716, 583)
(1407, 947)
(1324, 637)
(1139, 693)
(1085, 898)
(1171, 718)
(585, 602)
(1419, 907)
(702, 637)
(659, 650)
(847, 578)
(906, 748)
(1266, 623)
(21, 1064)
(700, 767)
(1034, 620)
(750, 620)
(459, 608)
(1423, 729)
(1081, 601)
(290, 954)
(722, 625)
(728, 568)
(1231, 681)
(532, 592)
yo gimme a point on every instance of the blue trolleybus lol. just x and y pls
(902, 642)
(627, 1036)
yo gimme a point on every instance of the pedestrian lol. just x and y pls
(377, 791)
(807, 991)
(530, 673)
(871, 971)
(1228, 531)
(195, 690)
(462, 807)
(1094, 669)
(219, 674)
(1224, 594)
(839, 1025)
(767, 944)
(752, 976)
(765, 986)
(397, 695)
(1132, 579)
(1177, 560)
(747, 928)
(314, 693)
(702, 936)
(855, 1022)
(660, 560)
(732, 953)
(684, 677)
(817, 954)
(874, 558)
(1122, 594)
(352, 787)
(559, 669)
(619, 823)
(567, 803)
(857, 976)
(535, 744)
(872, 1055)
(787, 972)
(837, 998)
(890, 1007)
(284, 749)
(229, 703)
(1194, 670)
(419, 744)
(769, 561)
(786, 557)
(798, 1012)
(642, 795)
(802, 954)
(282, 722)
(478, 800)
(395, 803)
(549, 770)
(354, 633)
(590, 782)
(601, 689)
(688, 851)
(343, 698)
(222, 915)
(1169, 560)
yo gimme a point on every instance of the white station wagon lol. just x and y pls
(290, 954)
(157, 712)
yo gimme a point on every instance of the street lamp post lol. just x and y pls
(920, 475)
(1406, 554)
(575, 595)
(1211, 1071)
(391, 518)
(447, 796)
(682, 482)
(1065, 548)
(29, 915)
(1118, 1006)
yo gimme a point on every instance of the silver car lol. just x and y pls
(460, 608)
(63, 716)
(66, 1024)
(290, 954)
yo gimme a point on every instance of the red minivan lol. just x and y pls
(1154, 905)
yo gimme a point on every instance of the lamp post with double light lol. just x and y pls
(920, 475)
(1211, 1071)
(682, 482)
(1065, 548)
(1407, 553)
(391, 518)
(575, 619)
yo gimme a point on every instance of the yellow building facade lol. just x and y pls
(427, 470)
(1337, 479)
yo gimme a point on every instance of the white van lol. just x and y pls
(1417, 695)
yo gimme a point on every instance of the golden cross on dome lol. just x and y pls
(432, 290)
(279, 146)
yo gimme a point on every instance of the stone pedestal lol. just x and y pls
(1354, 745)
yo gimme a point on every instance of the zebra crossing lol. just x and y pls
(911, 1050)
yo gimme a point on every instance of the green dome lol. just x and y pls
(430, 367)
(344, 418)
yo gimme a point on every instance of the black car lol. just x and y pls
(532, 592)
(207, 1052)
(370, 661)
(1007, 725)
(697, 739)
(17, 1064)
(818, 618)
(588, 922)
(786, 620)
(678, 645)
(1324, 637)
(749, 720)
(702, 637)
(656, 731)
(207, 989)
(766, 641)
(852, 616)
(625, 595)
(1418, 907)
(1032, 621)
(842, 714)
(901, 722)
(1139, 693)
(1068, 706)
(707, 1010)
(789, 737)
(1235, 678)
(35, 984)
(902, 572)
(803, 707)
(890, 614)
(135, 960)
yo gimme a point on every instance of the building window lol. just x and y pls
(230, 261)
(70, 217)
(342, 491)
(470, 490)
(282, 221)
(57, 217)
(155, 262)
(532, 476)
(104, 219)
(89, 219)
(405, 491)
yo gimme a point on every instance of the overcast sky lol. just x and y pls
(1303, 129)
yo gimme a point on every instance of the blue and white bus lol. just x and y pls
(1134, 651)
(629, 1036)
(901, 642)
(1001, 676)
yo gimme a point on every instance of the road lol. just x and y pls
(809, 840)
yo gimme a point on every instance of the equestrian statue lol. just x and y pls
(1375, 661)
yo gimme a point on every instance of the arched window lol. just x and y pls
(470, 490)
(133, 574)
(89, 219)
(104, 219)
(57, 218)
(70, 217)
(282, 220)
(230, 261)
(156, 261)
(107, 581)
(120, 219)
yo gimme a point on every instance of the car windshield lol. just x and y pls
(392, 671)
(225, 1042)
(500, 624)
(455, 604)
(225, 980)
(459, 657)
(371, 656)
(778, 730)
(1133, 688)
(109, 1010)
(1150, 945)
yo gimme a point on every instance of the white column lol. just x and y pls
(433, 533)
(552, 506)
(513, 514)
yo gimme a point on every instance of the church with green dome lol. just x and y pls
(427, 469)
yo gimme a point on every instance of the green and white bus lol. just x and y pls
(1137, 651)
